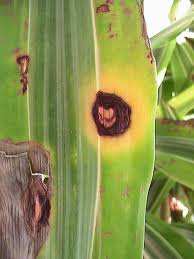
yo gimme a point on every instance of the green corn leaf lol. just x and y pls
(187, 55)
(175, 153)
(62, 77)
(179, 71)
(173, 10)
(167, 111)
(75, 51)
(167, 88)
(163, 57)
(163, 242)
(13, 42)
(186, 230)
(171, 32)
(182, 66)
(175, 128)
(175, 167)
(123, 178)
(175, 145)
(158, 192)
(184, 102)
(181, 104)
(72, 69)
(156, 246)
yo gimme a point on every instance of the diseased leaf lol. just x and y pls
(13, 42)
(62, 78)
(175, 128)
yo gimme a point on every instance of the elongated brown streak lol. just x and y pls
(111, 114)
(23, 62)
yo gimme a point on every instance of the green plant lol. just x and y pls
(172, 183)
(81, 55)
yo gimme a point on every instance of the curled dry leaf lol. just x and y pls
(24, 198)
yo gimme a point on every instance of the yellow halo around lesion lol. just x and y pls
(135, 95)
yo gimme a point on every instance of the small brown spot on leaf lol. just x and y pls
(122, 2)
(16, 51)
(104, 8)
(172, 161)
(107, 234)
(150, 57)
(109, 1)
(102, 189)
(113, 14)
(109, 27)
(127, 11)
(26, 24)
(113, 35)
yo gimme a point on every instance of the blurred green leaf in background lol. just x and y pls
(169, 221)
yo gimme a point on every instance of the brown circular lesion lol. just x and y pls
(111, 114)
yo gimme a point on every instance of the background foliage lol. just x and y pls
(170, 207)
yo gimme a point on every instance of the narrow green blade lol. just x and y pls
(126, 70)
(162, 241)
(171, 32)
(181, 104)
(62, 74)
(175, 128)
(163, 57)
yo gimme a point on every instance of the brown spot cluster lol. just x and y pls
(126, 10)
(111, 34)
(111, 114)
(104, 8)
(23, 62)
(109, 1)
(150, 55)
(107, 234)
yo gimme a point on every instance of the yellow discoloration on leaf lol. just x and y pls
(133, 91)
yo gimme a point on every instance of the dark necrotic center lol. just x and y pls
(111, 114)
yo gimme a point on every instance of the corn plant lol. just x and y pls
(78, 104)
